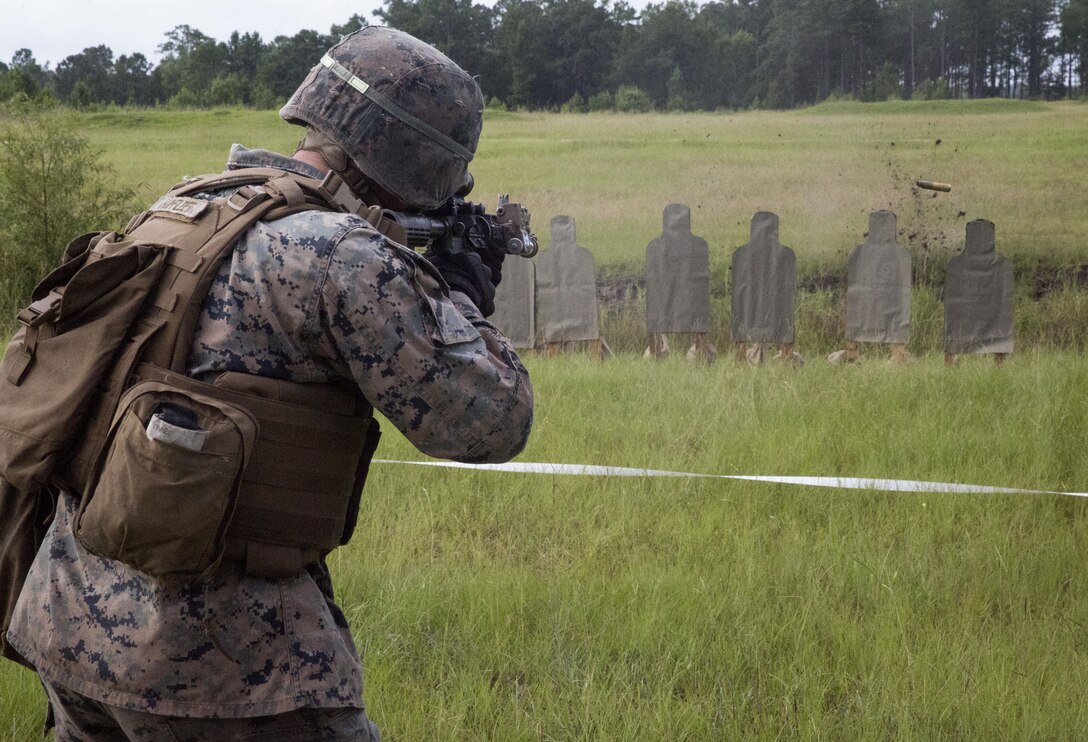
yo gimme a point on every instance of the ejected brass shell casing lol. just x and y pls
(931, 185)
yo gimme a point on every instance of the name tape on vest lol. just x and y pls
(182, 206)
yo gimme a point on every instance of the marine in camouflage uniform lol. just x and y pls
(312, 297)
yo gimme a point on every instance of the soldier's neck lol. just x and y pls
(312, 158)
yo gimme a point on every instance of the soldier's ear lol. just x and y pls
(466, 185)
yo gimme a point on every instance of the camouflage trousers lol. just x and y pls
(81, 719)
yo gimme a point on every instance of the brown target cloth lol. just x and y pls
(515, 302)
(878, 286)
(566, 288)
(677, 277)
(764, 282)
(978, 315)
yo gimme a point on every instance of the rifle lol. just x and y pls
(455, 226)
(460, 226)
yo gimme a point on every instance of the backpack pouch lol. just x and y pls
(69, 340)
(166, 482)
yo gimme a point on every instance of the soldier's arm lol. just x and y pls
(429, 362)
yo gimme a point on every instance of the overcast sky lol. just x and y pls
(54, 29)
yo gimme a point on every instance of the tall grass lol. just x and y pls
(509, 606)
(519, 607)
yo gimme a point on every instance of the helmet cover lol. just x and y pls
(407, 116)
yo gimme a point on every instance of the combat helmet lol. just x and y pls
(407, 116)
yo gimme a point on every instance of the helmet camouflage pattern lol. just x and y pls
(406, 115)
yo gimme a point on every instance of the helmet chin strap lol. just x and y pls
(361, 185)
(363, 197)
(338, 161)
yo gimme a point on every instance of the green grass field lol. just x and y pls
(529, 607)
(508, 606)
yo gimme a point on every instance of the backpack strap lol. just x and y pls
(199, 234)
(202, 233)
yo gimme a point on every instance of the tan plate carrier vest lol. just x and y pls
(299, 493)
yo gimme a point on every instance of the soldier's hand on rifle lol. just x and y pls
(492, 254)
(468, 273)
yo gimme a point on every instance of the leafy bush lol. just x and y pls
(576, 104)
(53, 187)
(680, 97)
(932, 90)
(602, 101)
(228, 90)
(633, 99)
(264, 97)
(81, 96)
(185, 98)
(885, 85)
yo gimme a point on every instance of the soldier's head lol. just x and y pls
(393, 116)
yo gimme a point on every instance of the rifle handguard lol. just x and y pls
(463, 225)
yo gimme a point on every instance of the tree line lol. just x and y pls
(580, 55)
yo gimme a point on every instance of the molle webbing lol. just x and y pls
(299, 492)
(202, 241)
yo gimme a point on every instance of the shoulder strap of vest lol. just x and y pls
(337, 191)
(201, 234)
(331, 192)
(295, 187)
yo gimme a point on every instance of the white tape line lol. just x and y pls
(848, 483)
